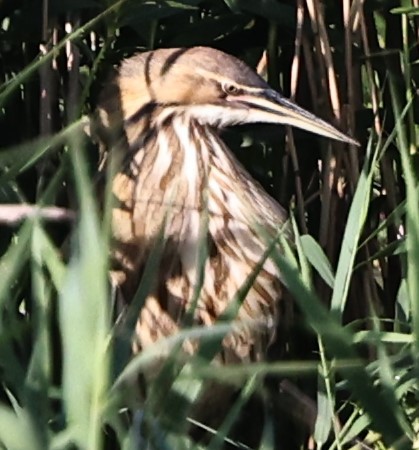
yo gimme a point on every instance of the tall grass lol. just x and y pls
(348, 377)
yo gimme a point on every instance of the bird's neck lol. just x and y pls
(177, 162)
(174, 149)
(154, 130)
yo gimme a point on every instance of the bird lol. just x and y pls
(179, 186)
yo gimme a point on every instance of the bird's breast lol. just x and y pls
(189, 194)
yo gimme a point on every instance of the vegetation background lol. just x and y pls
(349, 376)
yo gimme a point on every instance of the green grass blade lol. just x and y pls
(338, 343)
(315, 254)
(412, 215)
(356, 218)
(84, 318)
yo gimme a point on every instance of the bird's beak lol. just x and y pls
(269, 106)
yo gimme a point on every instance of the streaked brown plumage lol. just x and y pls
(161, 112)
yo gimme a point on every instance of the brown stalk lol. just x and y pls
(316, 15)
(45, 75)
(290, 136)
(375, 95)
(416, 19)
(310, 64)
(48, 76)
(73, 68)
(295, 66)
(352, 71)
(330, 164)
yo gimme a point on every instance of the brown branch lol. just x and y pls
(13, 214)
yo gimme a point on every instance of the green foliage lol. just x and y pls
(348, 375)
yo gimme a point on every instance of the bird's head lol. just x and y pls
(210, 87)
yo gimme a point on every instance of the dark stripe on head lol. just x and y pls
(145, 111)
(171, 60)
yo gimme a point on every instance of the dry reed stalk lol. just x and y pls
(352, 71)
(73, 69)
(272, 70)
(416, 20)
(295, 66)
(330, 163)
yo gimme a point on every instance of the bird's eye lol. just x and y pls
(230, 89)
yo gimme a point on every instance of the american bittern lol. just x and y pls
(162, 111)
